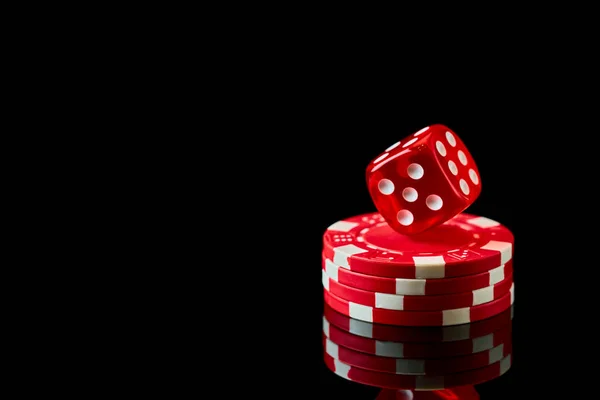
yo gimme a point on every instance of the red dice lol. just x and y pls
(423, 180)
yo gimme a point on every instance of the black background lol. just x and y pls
(305, 169)
(284, 128)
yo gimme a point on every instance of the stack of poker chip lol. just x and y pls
(456, 273)
(406, 361)
(416, 269)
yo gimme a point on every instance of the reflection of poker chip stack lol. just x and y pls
(418, 358)
(456, 275)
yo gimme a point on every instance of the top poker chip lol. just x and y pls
(464, 245)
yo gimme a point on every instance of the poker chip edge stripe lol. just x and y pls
(395, 333)
(420, 318)
(415, 286)
(387, 301)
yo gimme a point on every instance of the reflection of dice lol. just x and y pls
(423, 180)
(467, 392)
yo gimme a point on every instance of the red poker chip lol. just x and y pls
(416, 350)
(420, 318)
(393, 333)
(416, 287)
(464, 245)
(411, 366)
(419, 382)
(417, 303)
